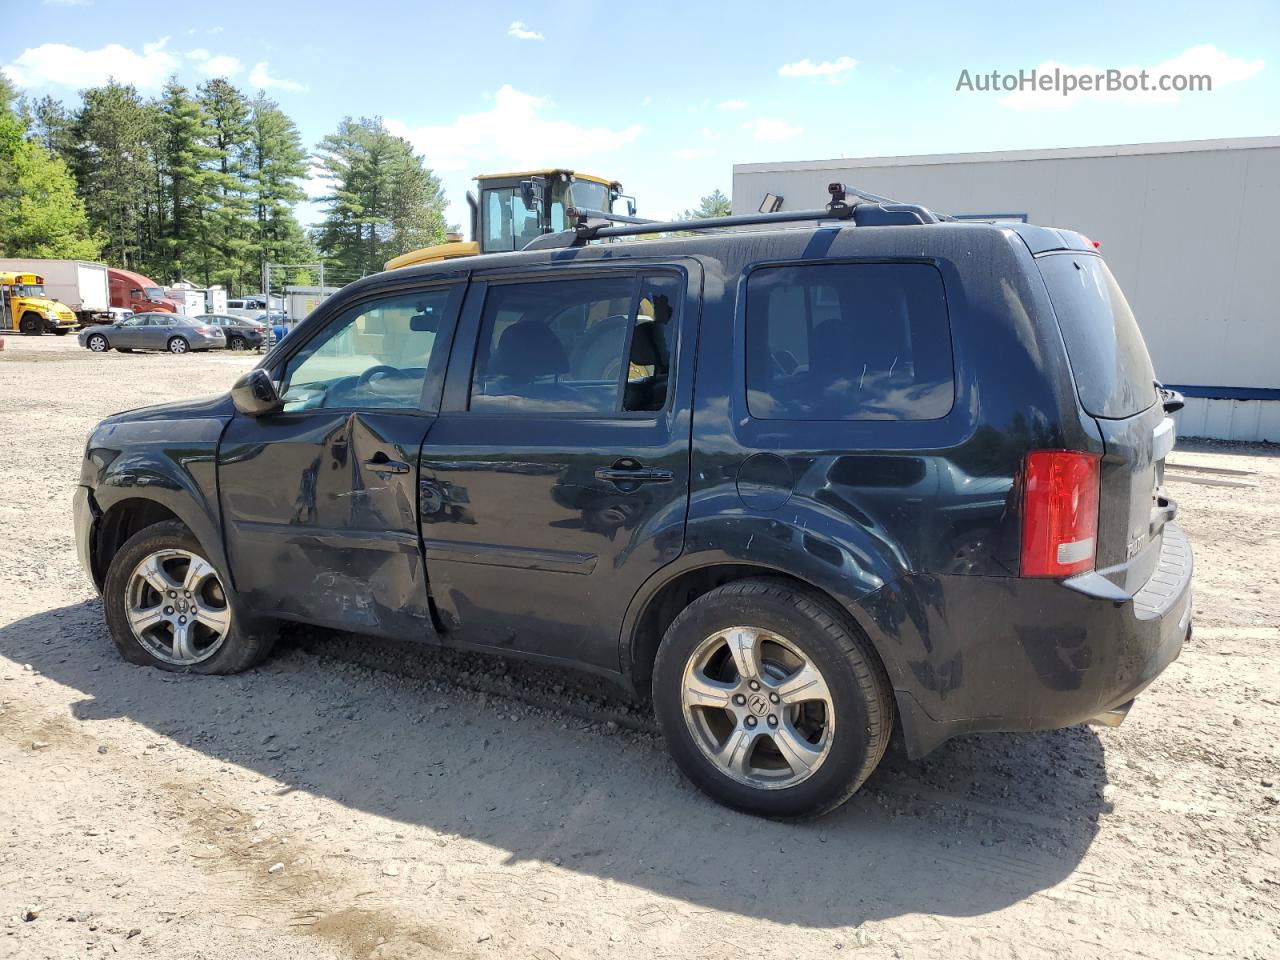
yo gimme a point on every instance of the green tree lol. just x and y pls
(275, 162)
(115, 142)
(40, 214)
(384, 201)
(714, 204)
(227, 252)
(185, 159)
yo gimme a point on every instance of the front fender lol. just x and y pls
(169, 462)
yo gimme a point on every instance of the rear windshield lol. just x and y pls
(1108, 355)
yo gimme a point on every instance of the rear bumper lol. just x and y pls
(987, 654)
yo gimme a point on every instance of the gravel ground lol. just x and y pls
(360, 799)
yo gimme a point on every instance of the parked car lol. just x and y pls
(153, 331)
(802, 487)
(241, 332)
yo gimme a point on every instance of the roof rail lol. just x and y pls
(872, 210)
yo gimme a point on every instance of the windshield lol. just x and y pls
(509, 224)
(590, 196)
(30, 290)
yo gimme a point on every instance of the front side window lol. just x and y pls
(842, 341)
(596, 346)
(373, 356)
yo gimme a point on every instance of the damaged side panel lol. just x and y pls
(321, 523)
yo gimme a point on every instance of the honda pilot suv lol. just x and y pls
(857, 470)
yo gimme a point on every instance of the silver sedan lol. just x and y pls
(154, 331)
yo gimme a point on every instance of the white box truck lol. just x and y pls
(82, 286)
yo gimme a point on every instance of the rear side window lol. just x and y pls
(1109, 358)
(593, 346)
(848, 341)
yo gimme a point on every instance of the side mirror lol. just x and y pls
(255, 395)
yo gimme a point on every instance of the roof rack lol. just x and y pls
(865, 210)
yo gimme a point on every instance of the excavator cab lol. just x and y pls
(510, 209)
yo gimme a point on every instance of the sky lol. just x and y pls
(665, 96)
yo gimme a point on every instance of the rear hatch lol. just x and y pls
(1116, 386)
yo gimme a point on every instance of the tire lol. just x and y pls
(236, 343)
(31, 325)
(98, 343)
(178, 345)
(241, 643)
(804, 755)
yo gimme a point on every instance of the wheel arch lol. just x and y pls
(666, 594)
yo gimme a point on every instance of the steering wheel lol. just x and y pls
(364, 378)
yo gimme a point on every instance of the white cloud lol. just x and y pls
(829, 69)
(772, 129)
(516, 132)
(221, 65)
(199, 53)
(260, 77)
(60, 65)
(521, 32)
(732, 104)
(1205, 59)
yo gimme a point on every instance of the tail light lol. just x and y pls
(1059, 513)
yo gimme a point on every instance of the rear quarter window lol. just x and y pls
(848, 341)
(1109, 358)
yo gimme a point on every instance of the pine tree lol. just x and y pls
(384, 200)
(185, 160)
(115, 166)
(714, 204)
(227, 250)
(275, 161)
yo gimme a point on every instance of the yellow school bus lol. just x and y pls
(24, 306)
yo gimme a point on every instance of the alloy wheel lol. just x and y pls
(758, 707)
(177, 607)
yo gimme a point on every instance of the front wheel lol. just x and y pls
(770, 699)
(31, 325)
(98, 343)
(167, 606)
(178, 345)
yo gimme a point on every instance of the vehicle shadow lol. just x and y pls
(981, 824)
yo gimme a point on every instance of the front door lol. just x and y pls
(319, 501)
(557, 477)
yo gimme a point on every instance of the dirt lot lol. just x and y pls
(356, 799)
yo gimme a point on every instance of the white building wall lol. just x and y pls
(1187, 228)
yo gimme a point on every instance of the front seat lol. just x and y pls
(527, 362)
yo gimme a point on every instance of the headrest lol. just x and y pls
(528, 349)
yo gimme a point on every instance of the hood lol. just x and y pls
(48, 305)
(201, 408)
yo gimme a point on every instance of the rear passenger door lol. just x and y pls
(556, 479)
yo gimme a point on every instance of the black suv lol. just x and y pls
(802, 486)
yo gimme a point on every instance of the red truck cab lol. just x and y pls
(140, 294)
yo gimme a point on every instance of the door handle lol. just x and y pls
(629, 474)
(381, 463)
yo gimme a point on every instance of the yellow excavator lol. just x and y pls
(514, 208)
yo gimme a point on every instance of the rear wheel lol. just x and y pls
(236, 343)
(770, 700)
(166, 606)
(31, 325)
(98, 343)
(178, 345)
